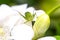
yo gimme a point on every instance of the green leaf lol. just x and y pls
(40, 26)
(55, 19)
(57, 37)
(47, 5)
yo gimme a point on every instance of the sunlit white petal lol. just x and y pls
(8, 18)
(30, 9)
(21, 8)
(47, 38)
(22, 32)
(38, 13)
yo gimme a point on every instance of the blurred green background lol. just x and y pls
(46, 5)
(49, 6)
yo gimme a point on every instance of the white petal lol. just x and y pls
(6, 11)
(21, 8)
(38, 13)
(9, 17)
(31, 10)
(22, 32)
(47, 38)
(29, 23)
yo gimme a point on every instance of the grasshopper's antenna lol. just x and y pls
(19, 13)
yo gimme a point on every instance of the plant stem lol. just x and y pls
(54, 9)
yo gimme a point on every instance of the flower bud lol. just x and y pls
(41, 25)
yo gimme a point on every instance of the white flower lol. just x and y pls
(31, 10)
(9, 18)
(47, 38)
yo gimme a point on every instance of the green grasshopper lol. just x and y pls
(28, 16)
